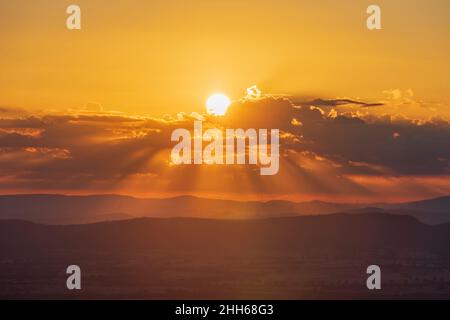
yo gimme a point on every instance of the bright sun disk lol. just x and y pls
(217, 104)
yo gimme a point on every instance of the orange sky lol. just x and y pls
(91, 111)
(168, 56)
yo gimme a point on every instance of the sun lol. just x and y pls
(217, 104)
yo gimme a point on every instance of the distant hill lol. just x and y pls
(59, 209)
(431, 211)
(440, 204)
(183, 258)
(351, 233)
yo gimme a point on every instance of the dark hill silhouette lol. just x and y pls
(436, 204)
(331, 232)
(185, 258)
(59, 209)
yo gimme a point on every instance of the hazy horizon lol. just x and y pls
(168, 197)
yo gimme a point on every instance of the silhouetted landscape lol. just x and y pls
(226, 150)
(65, 210)
(184, 258)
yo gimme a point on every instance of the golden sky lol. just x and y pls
(364, 115)
(157, 57)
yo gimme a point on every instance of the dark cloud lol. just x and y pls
(31, 122)
(359, 145)
(318, 150)
(336, 102)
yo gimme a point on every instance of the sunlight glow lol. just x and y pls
(217, 104)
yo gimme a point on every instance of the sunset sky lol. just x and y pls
(364, 115)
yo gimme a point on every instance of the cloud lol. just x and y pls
(399, 146)
(336, 102)
(323, 155)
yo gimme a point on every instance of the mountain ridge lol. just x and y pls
(192, 258)
(76, 209)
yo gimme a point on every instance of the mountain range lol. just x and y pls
(64, 210)
(303, 257)
(352, 232)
